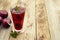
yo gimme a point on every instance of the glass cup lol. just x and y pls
(18, 13)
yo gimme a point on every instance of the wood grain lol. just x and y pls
(35, 29)
(43, 32)
(53, 10)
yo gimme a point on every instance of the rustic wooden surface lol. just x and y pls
(43, 32)
(53, 9)
(36, 26)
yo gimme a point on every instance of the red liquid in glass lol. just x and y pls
(18, 19)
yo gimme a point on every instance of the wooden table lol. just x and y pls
(36, 26)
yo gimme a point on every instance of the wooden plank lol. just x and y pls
(43, 32)
(54, 18)
(5, 33)
(29, 22)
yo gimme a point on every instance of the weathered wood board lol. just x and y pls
(36, 26)
(53, 10)
(40, 31)
(43, 32)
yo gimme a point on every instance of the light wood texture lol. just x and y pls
(4, 34)
(36, 26)
(53, 9)
(43, 32)
(40, 31)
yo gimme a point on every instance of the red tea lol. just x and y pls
(18, 17)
